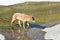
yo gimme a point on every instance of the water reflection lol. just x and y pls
(34, 33)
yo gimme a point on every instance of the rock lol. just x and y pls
(2, 37)
(52, 32)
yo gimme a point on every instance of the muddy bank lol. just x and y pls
(50, 24)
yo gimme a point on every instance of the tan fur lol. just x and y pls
(21, 17)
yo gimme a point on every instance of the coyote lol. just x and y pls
(22, 17)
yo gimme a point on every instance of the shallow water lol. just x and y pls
(34, 33)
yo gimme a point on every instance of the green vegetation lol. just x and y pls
(42, 11)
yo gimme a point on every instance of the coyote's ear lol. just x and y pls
(31, 14)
